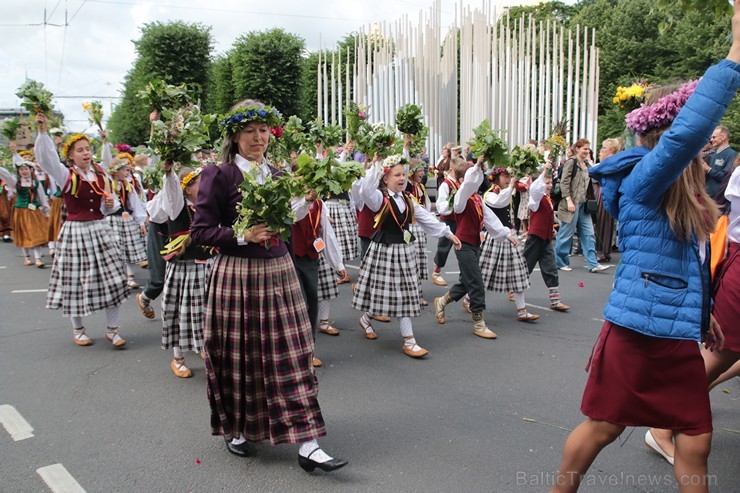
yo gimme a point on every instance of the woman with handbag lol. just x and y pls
(573, 212)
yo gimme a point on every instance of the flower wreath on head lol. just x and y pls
(417, 167)
(190, 177)
(498, 171)
(117, 167)
(71, 141)
(237, 120)
(392, 161)
(127, 156)
(124, 148)
(661, 113)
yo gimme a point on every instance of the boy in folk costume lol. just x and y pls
(471, 216)
(317, 255)
(30, 211)
(184, 296)
(389, 283)
(419, 194)
(129, 222)
(538, 247)
(501, 263)
(448, 187)
(86, 275)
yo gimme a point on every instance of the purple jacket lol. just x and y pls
(215, 213)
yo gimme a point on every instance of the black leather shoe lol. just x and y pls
(309, 465)
(242, 450)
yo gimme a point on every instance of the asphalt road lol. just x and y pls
(475, 415)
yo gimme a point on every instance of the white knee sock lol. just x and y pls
(129, 270)
(519, 300)
(37, 252)
(407, 328)
(52, 245)
(26, 252)
(324, 310)
(76, 322)
(178, 352)
(319, 455)
(112, 315)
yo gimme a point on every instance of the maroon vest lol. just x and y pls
(470, 221)
(451, 217)
(86, 205)
(306, 231)
(542, 220)
(365, 222)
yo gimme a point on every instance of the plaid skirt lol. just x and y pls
(86, 274)
(389, 281)
(55, 217)
(30, 228)
(183, 303)
(259, 352)
(328, 288)
(129, 238)
(344, 222)
(421, 248)
(503, 267)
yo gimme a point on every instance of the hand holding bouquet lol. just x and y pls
(95, 112)
(490, 145)
(36, 98)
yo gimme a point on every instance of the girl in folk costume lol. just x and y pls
(538, 248)
(86, 275)
(471, 216)
(129, 222)
(501, 263)
(186, 273)
(448, 187)
(660, 307)
(417, 192)
(389, 283)
(30, 211)
(317, 256)
(259, 347)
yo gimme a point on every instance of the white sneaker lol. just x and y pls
(566, 268)
(599, 268)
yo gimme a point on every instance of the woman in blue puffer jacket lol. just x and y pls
(646, 368)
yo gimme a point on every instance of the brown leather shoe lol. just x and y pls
(511, 297)
(344, 279)
(466, 304)
(179, 368)
(484, 332)
(328, 329)
(380, 318)
(559, 307)
(317, 363)
(527, 317)
(145, 307)
(414, 351)
(438, 280)
(117, 341)
(82, 340)
(369, 334)
(439, 311)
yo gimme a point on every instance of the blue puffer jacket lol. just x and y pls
(662, 288)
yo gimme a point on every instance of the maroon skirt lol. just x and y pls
(638, 380)
(727, 298)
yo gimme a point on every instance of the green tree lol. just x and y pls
(268, 66)
(221, 96)
(177, 52)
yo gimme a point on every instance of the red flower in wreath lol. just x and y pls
(277, 131)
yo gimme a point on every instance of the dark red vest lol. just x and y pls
(542, 220)
(365, 222)
(306, 231)
(86, 205)
(470, 221)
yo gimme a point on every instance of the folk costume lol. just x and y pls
(7, 191)
(538, 248)
(30, 217)
(388, 284)
(86, 274)
(446, 214)
(56, 203)
(156, 234)
(471, 216)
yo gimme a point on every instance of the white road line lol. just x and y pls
(15, 425)
(3, 266)
(59, 480)
(20, 291)
(347, 266)
(540, 307)
(452, 272)
(598, 320)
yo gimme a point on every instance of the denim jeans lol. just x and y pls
(585, 225)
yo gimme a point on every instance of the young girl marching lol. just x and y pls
(317, 257)
(86, 275)
(538, 248)
(501, 263)
(186, 275)
(128, 222)
(389, 284)
(419, 194)
(471, 216)
(30, 211)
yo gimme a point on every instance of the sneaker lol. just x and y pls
(438, 280)
(599, 268)
(566, 268)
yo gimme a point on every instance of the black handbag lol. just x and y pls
(592, 206)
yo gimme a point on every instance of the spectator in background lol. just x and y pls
(721, 162)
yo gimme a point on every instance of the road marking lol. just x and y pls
(347, 266)
(540, 307)
(15, 425)
(598, 320)
(59, 479)
(452, 272)
(3, 266)
(20, 291)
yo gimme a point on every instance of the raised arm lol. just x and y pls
(369, 192)
(470, 185)
(46, 153)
